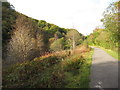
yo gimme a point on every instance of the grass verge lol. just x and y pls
(76, 69)
(84, 77)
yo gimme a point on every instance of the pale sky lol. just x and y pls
(83, 15)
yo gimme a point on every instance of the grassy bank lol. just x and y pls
(57, 70)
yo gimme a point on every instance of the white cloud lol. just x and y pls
(85, 15)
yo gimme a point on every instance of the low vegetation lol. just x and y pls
(54, 70)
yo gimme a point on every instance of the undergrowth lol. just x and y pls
(58, 70)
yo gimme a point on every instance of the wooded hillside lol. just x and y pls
(25, 38)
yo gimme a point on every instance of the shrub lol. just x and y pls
(57, 45)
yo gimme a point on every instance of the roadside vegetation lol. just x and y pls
(56, 70)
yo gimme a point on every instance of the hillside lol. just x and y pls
(25, 38)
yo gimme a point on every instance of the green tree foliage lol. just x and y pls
(100, 37)
(58, 44)
(51, 29)
(8, 19)
(111, 21)
(73, 37)
(109, 36)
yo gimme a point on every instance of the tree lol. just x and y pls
(111, 21)
(8, 19)
(73, 37)
(26, 42)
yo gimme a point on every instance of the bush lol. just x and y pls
(57, 45)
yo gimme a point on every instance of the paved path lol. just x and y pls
(104, 70)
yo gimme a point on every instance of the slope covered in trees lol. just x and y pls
(25, 38)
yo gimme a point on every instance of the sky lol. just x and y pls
(83, 15)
